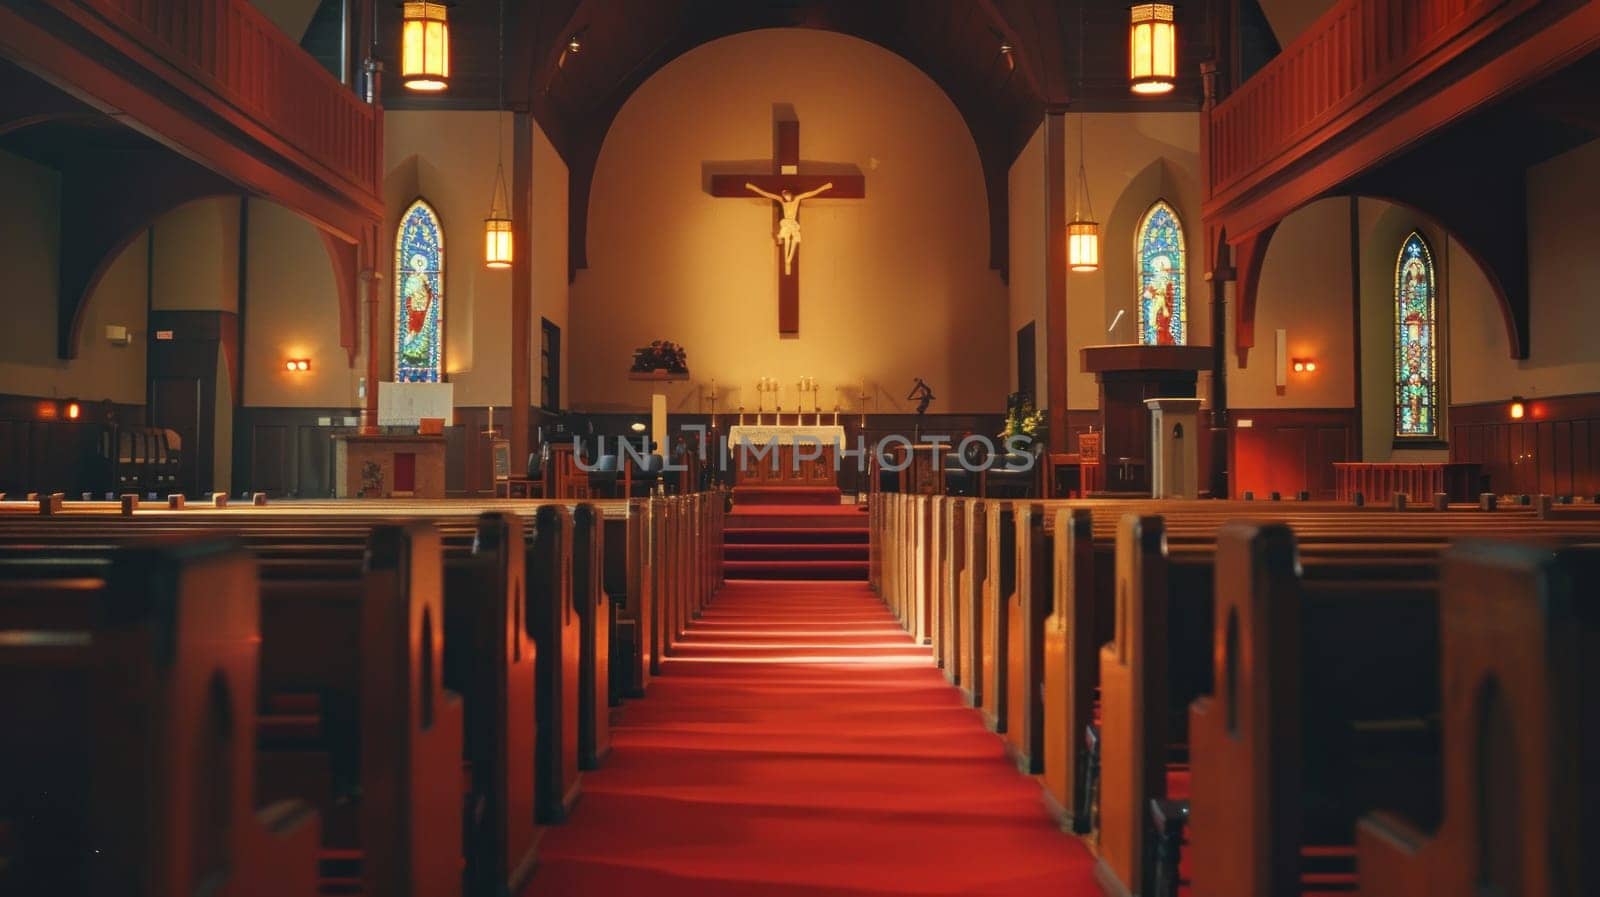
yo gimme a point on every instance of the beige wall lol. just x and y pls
(892, 287)
(1564, 359)
(292, 311)
(196, 264)
(1305, 289)
(29, 234)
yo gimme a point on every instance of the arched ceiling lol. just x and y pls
(1002, 96)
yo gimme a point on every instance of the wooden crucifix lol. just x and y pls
(788, 188)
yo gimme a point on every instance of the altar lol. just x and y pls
(780, 464)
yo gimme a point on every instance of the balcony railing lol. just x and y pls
(231, 49)
(1352, 53)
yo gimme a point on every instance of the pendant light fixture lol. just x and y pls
(425, 45)
(497, 227)
(1152, 48)
(1083, 233)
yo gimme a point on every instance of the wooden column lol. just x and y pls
(1219, 270)
(375, 291)
(1217, 279)
(1055, 274)
(521, 285)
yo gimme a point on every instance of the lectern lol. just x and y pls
(1128, 375)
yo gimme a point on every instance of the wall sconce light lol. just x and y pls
(297, 364)
(118, 335)
(1305, 365)
(1519, 409)
(74, 411)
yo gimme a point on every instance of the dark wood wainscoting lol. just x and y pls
(42, 450)
(289, 451)
(1290, 450)
(1554, 449)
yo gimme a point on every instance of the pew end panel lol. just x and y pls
(1245, 792)
(594, 614)
(1070, 660)
(1520, 631)
(998, 584)
(491, 662)
(129, 693)
(410, 794)
(1029, 605)
(553, 621)
(974, 574)
(955, 558)
(1133, 674)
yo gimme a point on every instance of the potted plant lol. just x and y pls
(661, 360)
(1022, 419)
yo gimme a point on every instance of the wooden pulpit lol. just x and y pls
(1128, 375)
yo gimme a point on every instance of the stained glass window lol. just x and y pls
(1162, 310)
(419, 296)
(1416, 350)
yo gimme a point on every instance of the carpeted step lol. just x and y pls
(796, 570)
(784, 552)
(771, 536)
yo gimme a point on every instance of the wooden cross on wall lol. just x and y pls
(786, 176)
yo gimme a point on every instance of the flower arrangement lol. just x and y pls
(661, 355)
(1022, 419)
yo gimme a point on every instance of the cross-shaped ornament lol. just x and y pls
(788, 188)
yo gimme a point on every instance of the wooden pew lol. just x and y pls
(268, 529)
(953, 554)
(998, 583)
(594, 619)
(553, 622)
(632, 593)
(1520, 634)
(1070, 647)
(1326, 683)
(128, 693)
(489, 660)
(1159, 658)
(367, 643)
(969, 600)
(1027, 607)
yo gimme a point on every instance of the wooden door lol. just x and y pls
(175, 405)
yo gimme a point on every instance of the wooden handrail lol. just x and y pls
(234, 51)
(1351, 53)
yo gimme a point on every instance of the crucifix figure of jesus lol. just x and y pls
(789, 224)
(788, 188)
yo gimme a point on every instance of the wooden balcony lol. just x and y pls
(1338, 110)
(218, 82)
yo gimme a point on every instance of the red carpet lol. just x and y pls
(795, 542)
(800, 745)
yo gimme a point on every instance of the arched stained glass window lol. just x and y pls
(1416, 349)
(419, 296)
(1163, 319)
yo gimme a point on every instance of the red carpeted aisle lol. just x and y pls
(799, 744)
